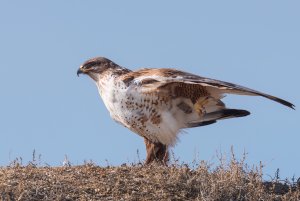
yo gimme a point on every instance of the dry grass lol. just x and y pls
(228, 181)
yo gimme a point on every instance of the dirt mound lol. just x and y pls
(138, 182)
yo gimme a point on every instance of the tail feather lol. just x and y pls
(198, 124)
(225, 113)
(212, 117)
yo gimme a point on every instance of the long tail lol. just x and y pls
(212, 117)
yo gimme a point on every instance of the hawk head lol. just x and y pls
(95, 67)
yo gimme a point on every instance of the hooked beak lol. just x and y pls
(80, 71)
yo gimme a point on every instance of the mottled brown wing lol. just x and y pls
(154, 79)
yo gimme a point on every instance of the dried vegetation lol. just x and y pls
(228, 181)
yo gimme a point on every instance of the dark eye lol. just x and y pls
(91, 65)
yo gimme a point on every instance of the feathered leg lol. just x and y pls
(156, 152)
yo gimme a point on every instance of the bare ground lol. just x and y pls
(231, 181)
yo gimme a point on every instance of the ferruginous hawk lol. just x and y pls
(157, 103)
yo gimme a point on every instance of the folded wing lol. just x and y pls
(158, 79)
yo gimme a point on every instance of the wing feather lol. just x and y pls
(163, 77)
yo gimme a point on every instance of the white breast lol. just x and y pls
(111, 94)
(127, 106)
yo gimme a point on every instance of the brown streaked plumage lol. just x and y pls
(157, 103)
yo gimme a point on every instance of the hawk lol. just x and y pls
(157, 103)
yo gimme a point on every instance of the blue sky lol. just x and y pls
(46, 107)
